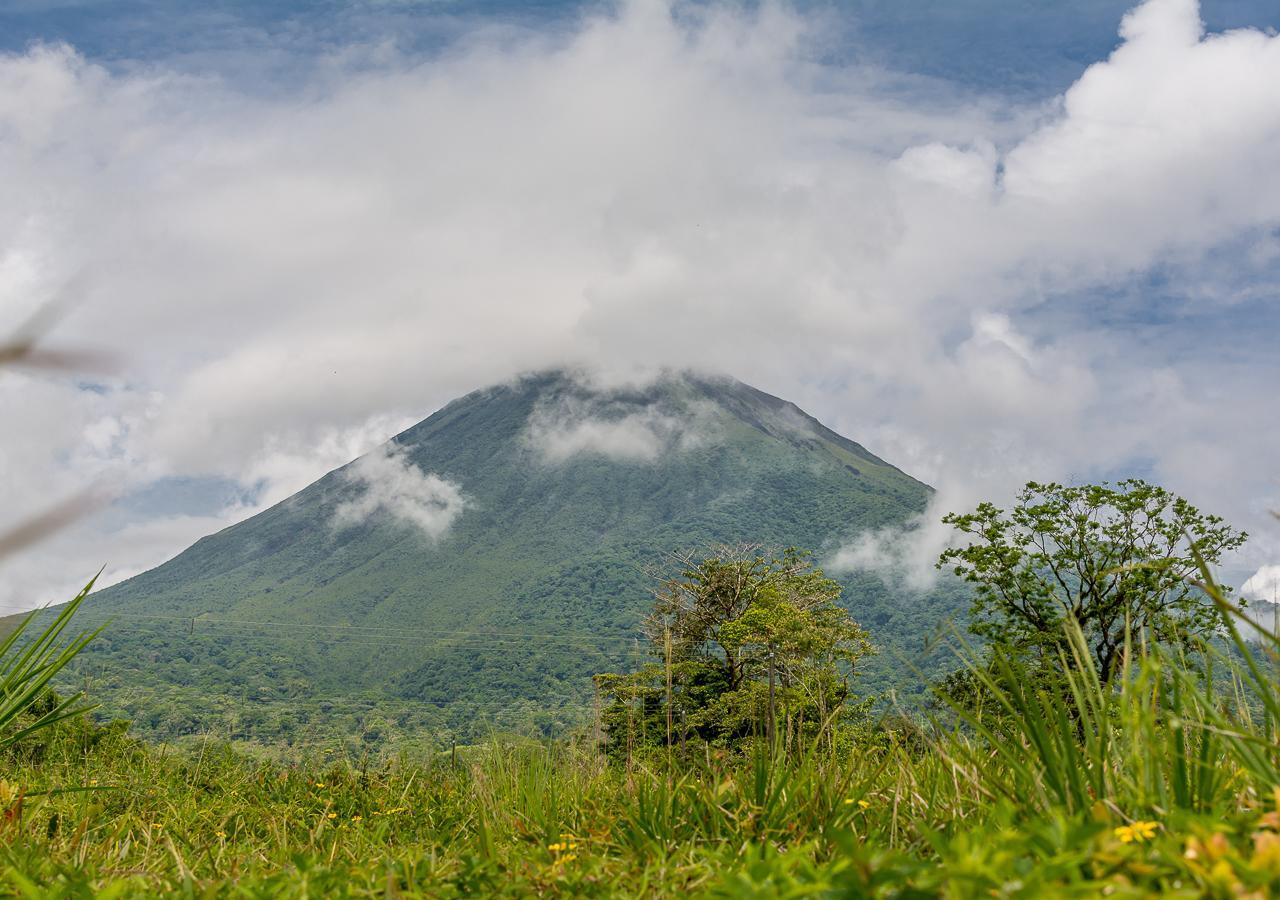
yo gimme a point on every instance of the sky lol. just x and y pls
(990, 240)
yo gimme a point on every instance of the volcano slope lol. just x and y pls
(476, 570)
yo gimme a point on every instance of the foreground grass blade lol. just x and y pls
(29, 664)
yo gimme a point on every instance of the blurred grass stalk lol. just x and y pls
(28, 664)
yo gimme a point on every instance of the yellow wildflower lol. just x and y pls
(220, 834)
(332, 815)
(567, 858)
(319, 784)
(357, 818)
(557, 848)
(1139, 831)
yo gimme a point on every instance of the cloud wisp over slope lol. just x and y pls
(391, 485)
(977, 290)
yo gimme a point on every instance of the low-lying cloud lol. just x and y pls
(396, 488)
(593, 425)
(903, 556)
(1263, 585)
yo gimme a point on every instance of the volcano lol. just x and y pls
(476, 570)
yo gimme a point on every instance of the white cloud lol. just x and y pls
(970, 171)
(1174, 124)
(906, 555)
(393, 486)
(276, 271)
(638, 437)
(595, 421)
(1263, 585)
(289, 462)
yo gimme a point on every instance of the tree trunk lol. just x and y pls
(772, 710)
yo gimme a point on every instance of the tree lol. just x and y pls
(1116, 559)
(745, 643)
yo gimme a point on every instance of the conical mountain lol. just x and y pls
(485, 562)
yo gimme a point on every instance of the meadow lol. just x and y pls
(1166, 781)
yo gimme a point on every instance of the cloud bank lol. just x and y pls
(977, 291)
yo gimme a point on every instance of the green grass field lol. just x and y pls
(1167, 783)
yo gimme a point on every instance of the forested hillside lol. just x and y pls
(475, 572)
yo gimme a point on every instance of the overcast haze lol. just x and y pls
(298, 237)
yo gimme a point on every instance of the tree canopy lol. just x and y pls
(1114, 558)
(743, 641)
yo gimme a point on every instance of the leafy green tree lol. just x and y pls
(1115, 559)
(745, 644)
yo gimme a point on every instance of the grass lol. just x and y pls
(521, 820)
(1168, 783)
(28, 665)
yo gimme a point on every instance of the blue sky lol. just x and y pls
(991, 240)
(1022, 47)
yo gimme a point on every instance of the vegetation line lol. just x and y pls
(202, 620)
